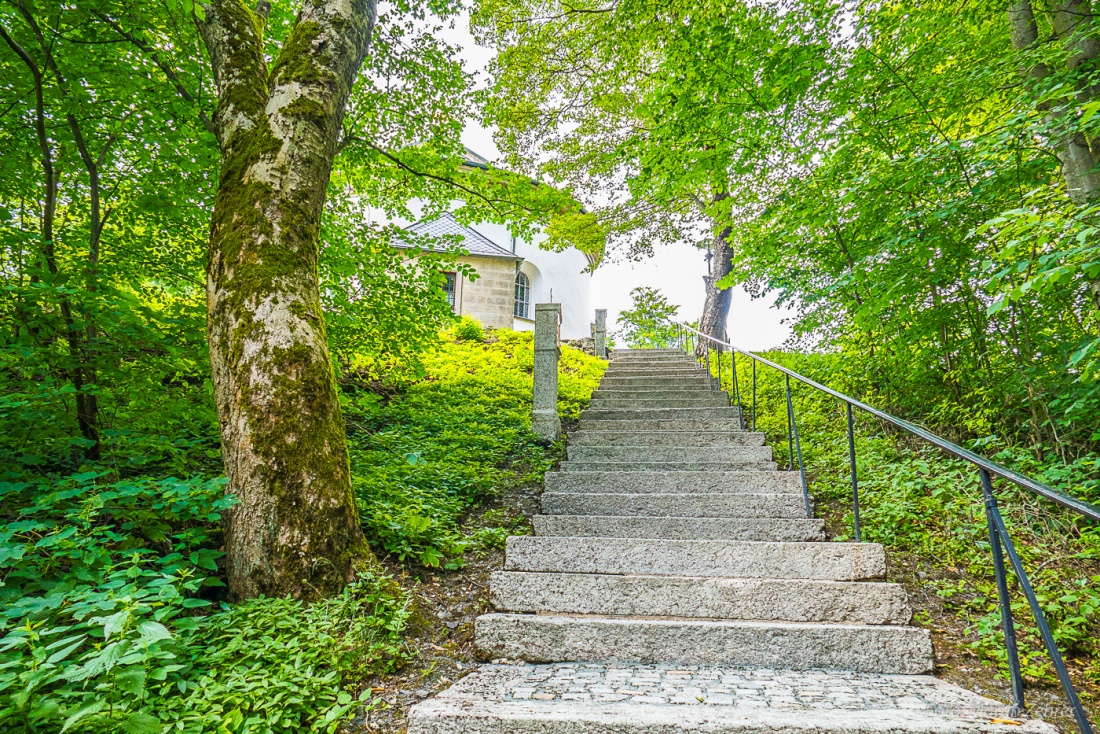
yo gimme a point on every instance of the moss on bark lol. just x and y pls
(295, 529)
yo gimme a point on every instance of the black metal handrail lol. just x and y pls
(691, 339)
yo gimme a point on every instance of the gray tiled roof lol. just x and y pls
(472, 240)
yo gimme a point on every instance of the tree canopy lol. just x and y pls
(909, 177)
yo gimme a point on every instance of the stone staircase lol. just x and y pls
(675, 584)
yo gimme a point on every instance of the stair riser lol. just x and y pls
(696, 439)
(706, 424)
(712, 558)
(861, 649)
(618, 372)
(683, 505)
(734, 454)
(657, 383)
(659, 393)
(637, 466)
(679, 528)
(701, 415)
(717, 401)
(664, 359)
(763, 482)
(655, 596)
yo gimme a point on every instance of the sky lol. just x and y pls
(675, 270)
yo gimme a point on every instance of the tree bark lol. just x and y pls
(1082, 182)
(295, 529)
(716, 307)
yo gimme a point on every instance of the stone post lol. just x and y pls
(599, 334)
(545, 421)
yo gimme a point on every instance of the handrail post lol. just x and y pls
(798, 448)
(736, 387)
(1002, 593)
(1041, 622)
(545, 421)
(706, 356)
(754, 393)
(599, 334)
(852, 462)
(790, 434)
(718, 350)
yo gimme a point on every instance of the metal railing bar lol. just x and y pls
(793, 423)
(1041, 620)
(1080, 506)
(753, 391)
(852, 462)
(1009, 627)
(736, 386)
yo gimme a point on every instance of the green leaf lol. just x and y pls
(141, 723)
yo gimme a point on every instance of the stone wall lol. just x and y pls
(491, 298)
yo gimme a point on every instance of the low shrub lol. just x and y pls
(424, 456)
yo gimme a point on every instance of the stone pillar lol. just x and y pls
(545, 421)
(600, 333)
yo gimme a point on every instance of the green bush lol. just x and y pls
(468, 329)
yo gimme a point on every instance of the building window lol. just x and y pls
(449, 288)
(523, 295)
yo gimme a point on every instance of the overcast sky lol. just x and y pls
(677, 271)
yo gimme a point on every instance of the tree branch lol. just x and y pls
(167, 70)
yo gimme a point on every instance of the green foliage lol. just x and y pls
(106, 585)
(469, 329)
(423, 457)
(649, 322)
(913, 212)
(927, 507)
(278, 665)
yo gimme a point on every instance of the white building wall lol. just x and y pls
(564, 273)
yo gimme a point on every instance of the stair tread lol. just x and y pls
(598, 698)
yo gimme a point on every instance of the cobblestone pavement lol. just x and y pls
(740, 687)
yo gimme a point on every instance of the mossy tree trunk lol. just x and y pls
(295, 529)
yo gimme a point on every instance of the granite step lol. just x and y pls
(712, 558)
(724, 425)
(659, 393)
(677, 453)
(616, 698)
(680, 528)
(714, 400)
(672, 466)
(694, 597)
(861, 648)
(614, 382)
(652, 359)
(694, 438)
(621, 372)
(788, 505)
(700, 415)
(685, 482)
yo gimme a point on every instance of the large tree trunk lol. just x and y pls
(716, 307)
(295, 529)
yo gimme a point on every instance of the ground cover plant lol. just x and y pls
(927, 510)
(114, 614)
(422, 456)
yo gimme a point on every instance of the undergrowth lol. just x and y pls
(112, 602)
(920, 502)
(423, 456)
